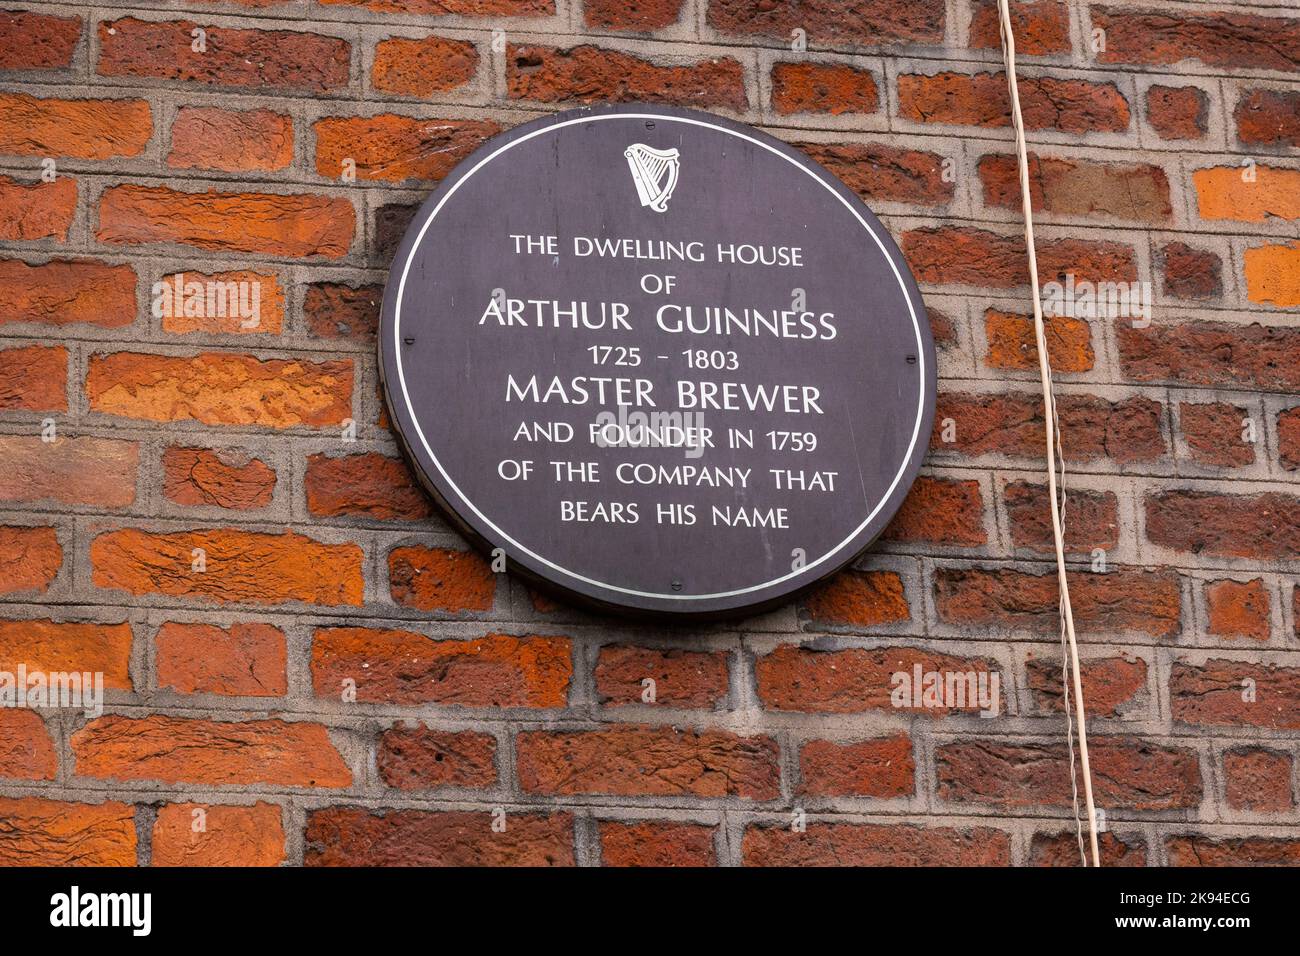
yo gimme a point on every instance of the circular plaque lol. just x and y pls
(660, 361)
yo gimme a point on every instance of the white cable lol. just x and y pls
(1053, 443)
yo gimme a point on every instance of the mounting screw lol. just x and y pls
(911, 360)
(409, 340)
(677, 585)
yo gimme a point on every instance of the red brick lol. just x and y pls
(852, 681)
(337, 311)
(417, 758)
(1062, 849)
(99, 472)
(467, 8)
(1213, 432)
(368, 485)
(1177, 112)
(1092, 519)
(1258, 779)
(833, 88)
(1127, 773)
(244, 566)
(1265, 526)
(652, 761)
(207, 752)
(285, 225)
(54, 647)
(880, 172)
(216, 478)
(36, 832)
(245, 660)
(1232, 851)
(37, 41)
(1012, 424)
(1118, 600)
(26, 750)
(220, 388)
(1268, 118)
(1288, 433)
(1079, 187)
(871, 844)
(1041, 28)
(34, 378)
(964, 255)
(588, 74)
(253, 59)
(1014, 345)
(656, 843)
(404, 668)
(1211, 694)
(67, 291)
(872, 23)
(346, 836)
(681, 678)
(642, 16)
(1233, 40)
(30, 558)
(880, 767)
(231, 836)
(1190, 273)
(1111, 685)
(35, 210)
(960, 99)
(1211, 353)
(73, 129)
(233, 141)
(441, 579)
(945, 511)
(424, 66)
(390, 148)
(859, 598)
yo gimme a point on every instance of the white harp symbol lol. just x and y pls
(655, 173)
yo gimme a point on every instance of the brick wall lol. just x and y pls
(133, 444)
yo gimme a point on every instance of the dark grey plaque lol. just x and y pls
(663, 361)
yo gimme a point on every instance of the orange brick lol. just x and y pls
(279, 224)
(73, 129)
(26, 750)
(194, 302)
(30, 559)
(389, 148)
(1012, 343)
(1273, 274)
(34, 378)
(218, 388)
(222, 479)
(53, 647)
(180, 750)
(36, 210)
(860, 598)
(233, 141)
(1223, 193)
(245, 566)
(192, 834)
(246, 660)
(35, 832)
(422, 67)
(61, 292)
(1238, 609)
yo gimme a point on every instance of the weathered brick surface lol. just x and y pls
(230, 836)
(216, 515)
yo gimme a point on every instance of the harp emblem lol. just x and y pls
(655, 173)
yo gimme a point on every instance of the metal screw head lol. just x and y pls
(677, 585)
